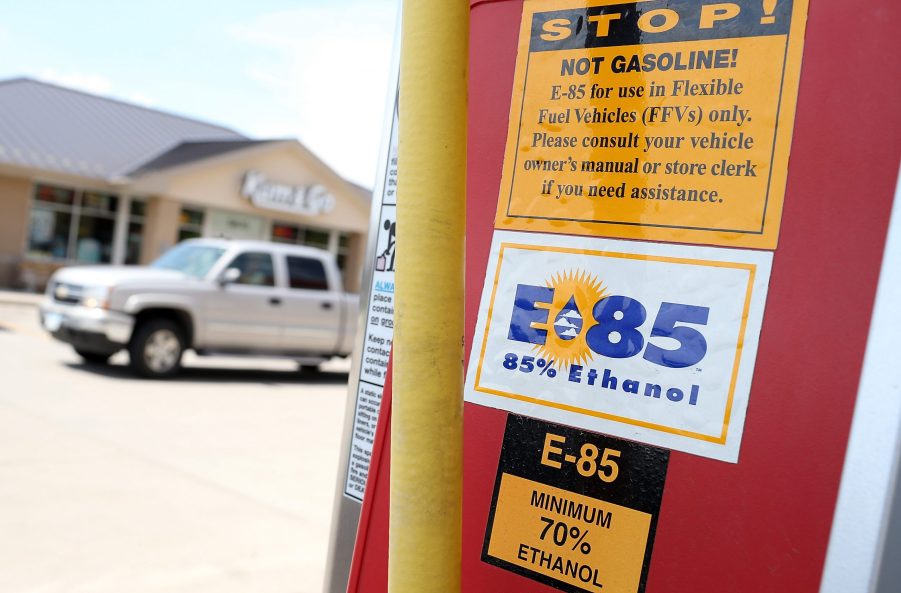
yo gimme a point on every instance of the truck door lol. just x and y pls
(245, 315)
(312, 307)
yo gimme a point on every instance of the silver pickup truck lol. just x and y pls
(214, 296)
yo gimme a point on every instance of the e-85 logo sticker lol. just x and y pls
(649, 342)
(575, 318)
(586, 319)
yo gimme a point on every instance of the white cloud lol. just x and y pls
(96, 84)
(140, 98)
(90, 83)
(326, 66)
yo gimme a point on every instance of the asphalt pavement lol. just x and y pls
(218, 481)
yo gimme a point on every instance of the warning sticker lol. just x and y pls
(574, 510)
(651, 342)
(661, 119)
(378, 333)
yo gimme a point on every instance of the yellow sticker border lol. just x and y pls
(739, 346)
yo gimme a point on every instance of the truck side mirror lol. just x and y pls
(229, 276)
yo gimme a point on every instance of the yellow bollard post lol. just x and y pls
(427, 401)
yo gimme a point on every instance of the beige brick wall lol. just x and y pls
(15, 209)
(160, 228)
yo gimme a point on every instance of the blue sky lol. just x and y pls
(315, 70)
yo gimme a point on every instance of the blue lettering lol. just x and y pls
(575, 373)
(525, 313)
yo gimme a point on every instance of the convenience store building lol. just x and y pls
(89, 180)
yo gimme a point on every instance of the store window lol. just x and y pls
(234, 225)
(296, 235)
(285, 233)
(289, 234)
(343, 250)
(314, 238)
(292, 234)
(72, 225)
(51, 222)
(96, 224)
(190, 224)
(137, 211)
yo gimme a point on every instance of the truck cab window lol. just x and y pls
(256, 269)
(306, 273)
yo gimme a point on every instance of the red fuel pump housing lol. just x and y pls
(761, 524)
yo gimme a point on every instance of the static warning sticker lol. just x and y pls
(575, 510)
(647, 341)
(661, 119)
(378, 333)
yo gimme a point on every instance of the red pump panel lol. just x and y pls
(761, 524)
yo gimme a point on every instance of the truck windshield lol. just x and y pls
(194, 260)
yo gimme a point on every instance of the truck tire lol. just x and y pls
(308, 369)
(156, 348)
(93, 357)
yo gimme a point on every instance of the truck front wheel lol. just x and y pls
(156, 348)
(92, 357)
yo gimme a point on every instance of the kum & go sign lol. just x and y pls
(310, 200)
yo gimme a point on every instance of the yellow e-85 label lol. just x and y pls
(573, 509)
(659, 119)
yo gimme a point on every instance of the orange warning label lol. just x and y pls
(583, 541)
(574, 509)
(664, 120)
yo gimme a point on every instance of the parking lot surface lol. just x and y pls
(220, 480)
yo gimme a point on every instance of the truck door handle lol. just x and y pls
(275, 301)
(326, 305)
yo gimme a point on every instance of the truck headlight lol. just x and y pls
(97, 297)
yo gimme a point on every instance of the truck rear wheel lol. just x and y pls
(156, 348)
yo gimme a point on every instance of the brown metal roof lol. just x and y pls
(49, 127)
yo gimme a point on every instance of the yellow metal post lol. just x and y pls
(427, 403)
